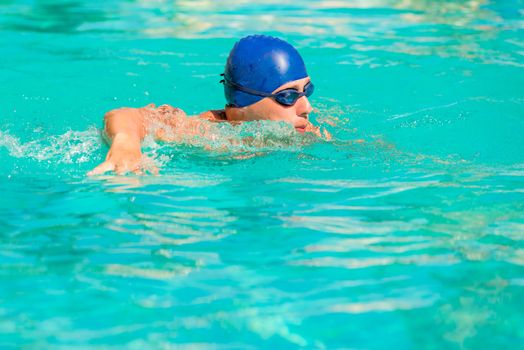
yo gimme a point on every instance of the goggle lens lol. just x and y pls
(289, 97)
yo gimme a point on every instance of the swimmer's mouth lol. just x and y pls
(300, 129)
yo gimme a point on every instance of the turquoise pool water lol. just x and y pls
(406, 231)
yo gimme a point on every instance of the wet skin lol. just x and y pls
(268, 109)
(127, 127)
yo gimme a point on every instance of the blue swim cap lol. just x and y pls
(261, 63)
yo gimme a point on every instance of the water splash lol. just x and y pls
(71, 147)
(242, 141)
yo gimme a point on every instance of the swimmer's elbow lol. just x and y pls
(127, 120)
(119, 113)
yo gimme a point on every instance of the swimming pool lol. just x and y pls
(404, 231)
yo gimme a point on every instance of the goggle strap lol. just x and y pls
(245, 89)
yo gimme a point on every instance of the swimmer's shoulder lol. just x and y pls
(162, 109)
(166, 112)
(215, 115)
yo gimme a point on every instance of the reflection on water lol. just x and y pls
(283, 241)
(199, 247)
(53, 17)
(356, 29)
(201, 17)
(359, 29)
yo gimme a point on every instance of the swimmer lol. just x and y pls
(265, 78)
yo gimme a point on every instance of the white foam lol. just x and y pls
(70, 147)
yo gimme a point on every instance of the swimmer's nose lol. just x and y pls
(304, 107)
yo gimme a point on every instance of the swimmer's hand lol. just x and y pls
(125, 155)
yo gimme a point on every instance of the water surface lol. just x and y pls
(404, 231)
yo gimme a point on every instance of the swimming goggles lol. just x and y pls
(287, 97)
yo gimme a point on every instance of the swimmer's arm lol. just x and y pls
(125, 122)
(125, 129)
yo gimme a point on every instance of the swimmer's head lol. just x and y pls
(266, 79)
(258, 65)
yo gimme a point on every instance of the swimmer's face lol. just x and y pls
(268, 109)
